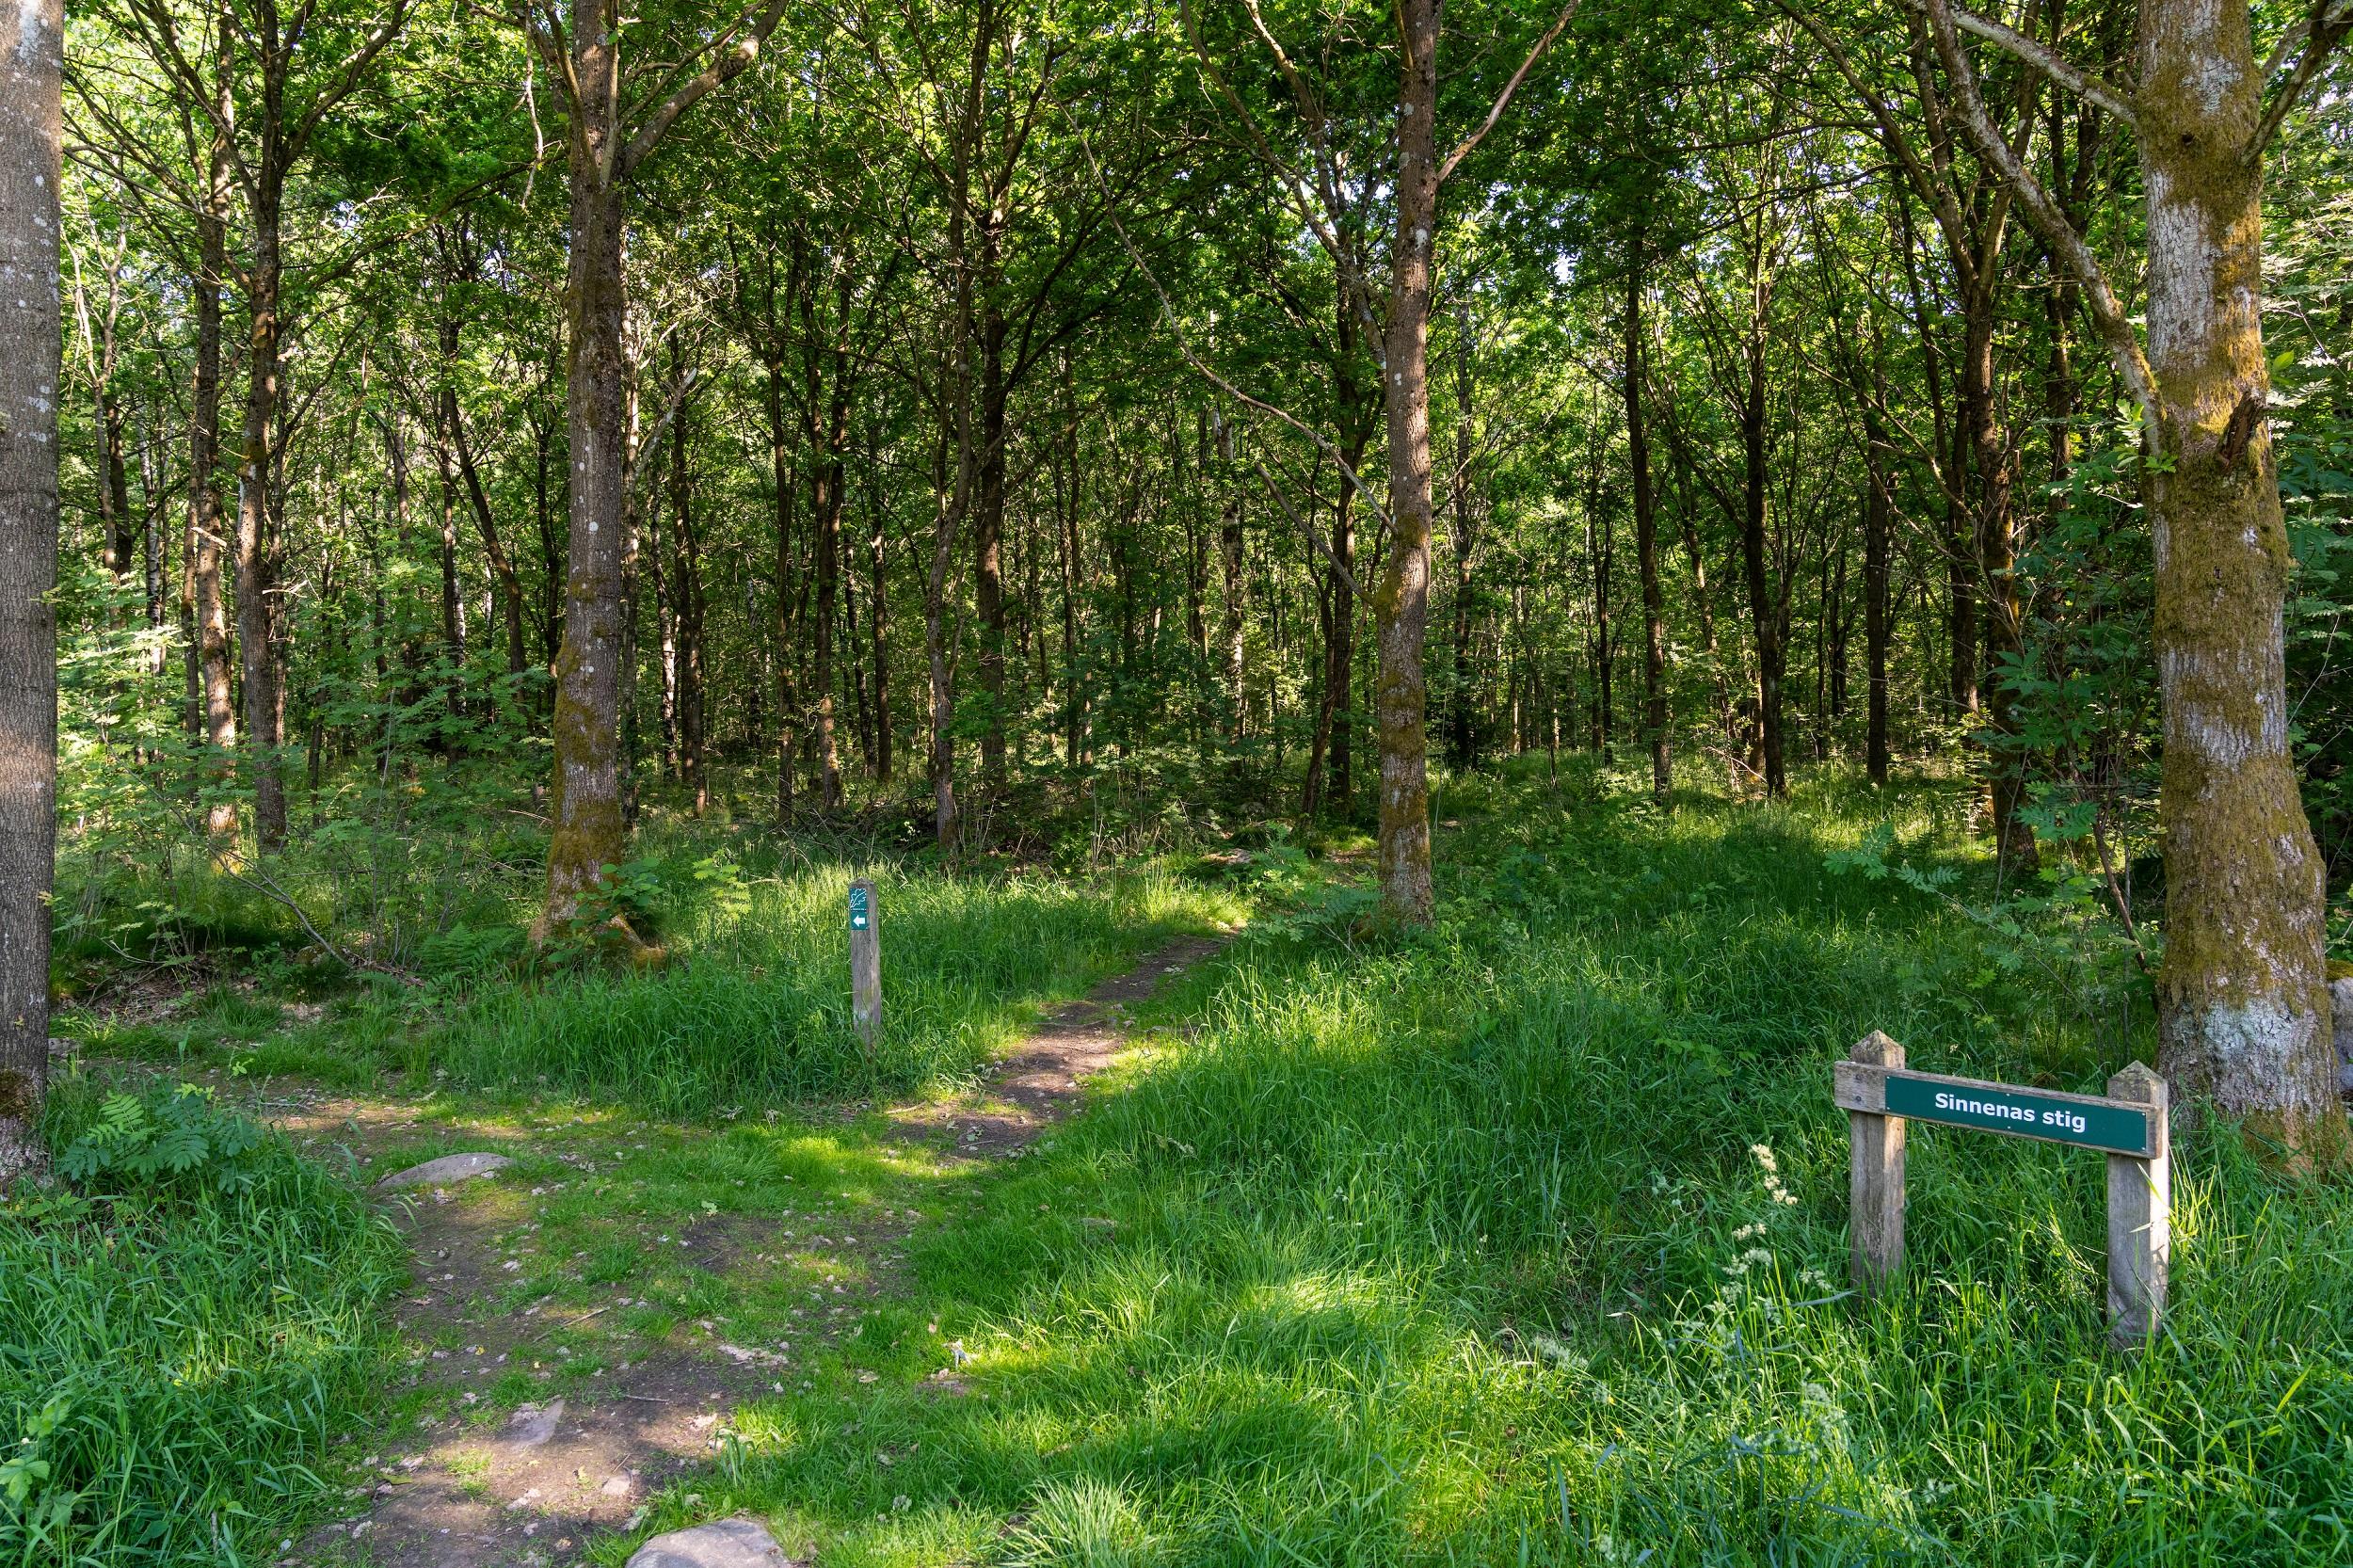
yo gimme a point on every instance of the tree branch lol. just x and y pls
(2116, 330)
(2045, 60)
(1503, 99)
(735, 50)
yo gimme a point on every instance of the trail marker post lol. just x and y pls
(2128, 1124)
(865, 963)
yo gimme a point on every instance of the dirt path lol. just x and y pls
(533, 1491)
(1041, 1081)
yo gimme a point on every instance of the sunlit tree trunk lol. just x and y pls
(207, 550)
(32, 68)
(1401, 600)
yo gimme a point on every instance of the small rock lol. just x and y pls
(617, 1486)
(450, 1167)
(533, 1425)
(729, 1543)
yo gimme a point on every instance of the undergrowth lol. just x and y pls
(1524, 1242)
(182, 1334)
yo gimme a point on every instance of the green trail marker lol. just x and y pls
(2128, 1125)
(865, 964)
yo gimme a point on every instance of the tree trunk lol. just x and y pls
(686, 597)
(988, 525)
(1229, 553)
(877, 623)
(486, 523)
(786, 483)
(1875, 617)
(256, 594)
(2243, 1000)
(1997, 558)
(589, 832)
(1763, 610)
(1400, 602)
(1465, 527)
(207, 543)
(1646, 550)
(32, 71)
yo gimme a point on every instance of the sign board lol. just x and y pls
(2085, 1121)
(861, 906)
(2128, 1125)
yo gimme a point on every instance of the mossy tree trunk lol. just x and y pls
(590, 827)
(2242, 999)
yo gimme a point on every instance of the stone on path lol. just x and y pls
(729, 1543)
(533, 1425)
(450, 1167)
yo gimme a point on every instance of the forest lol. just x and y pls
(1402, 622)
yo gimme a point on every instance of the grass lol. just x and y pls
(1525, 1243)
(749, 1008)
(1520, 1241)
(176, 1360)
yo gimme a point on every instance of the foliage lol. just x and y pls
(177, 1357)
(166, 1136)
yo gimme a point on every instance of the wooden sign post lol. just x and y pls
(865, 962)
(2128, 1125)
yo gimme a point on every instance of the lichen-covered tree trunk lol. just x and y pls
(207, 549)
(2241, 997)
(1401, 600)
(32, 68)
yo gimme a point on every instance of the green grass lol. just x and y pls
(1463, 1251)
(748, 1008)
(176, 1362)
(755, 1012)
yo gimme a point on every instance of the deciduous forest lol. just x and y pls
(1408, 618)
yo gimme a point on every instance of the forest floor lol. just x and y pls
(548, 1423)
(1518, 1238)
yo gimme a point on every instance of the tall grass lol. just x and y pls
(174, 1365)
(756, 1010)
(1526, 1243)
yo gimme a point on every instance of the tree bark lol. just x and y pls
(32, 72)
(1647, 549)
(2241, 997)
(588, 832)
(1764, 610)
(686, 597)
(1400, 602)
(207, 543)
(1229, 557)
(253, 558)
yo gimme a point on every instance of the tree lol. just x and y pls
(32, 89)
(609, 139)
(2243, 996)
(1400, 598)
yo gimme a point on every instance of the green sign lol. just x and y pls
(2019, 1112)
(861, 908)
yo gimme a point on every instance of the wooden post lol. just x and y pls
(2140, 1217)
(1876, 1178)
(865, 962)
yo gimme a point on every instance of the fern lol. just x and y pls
(166, 1135)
